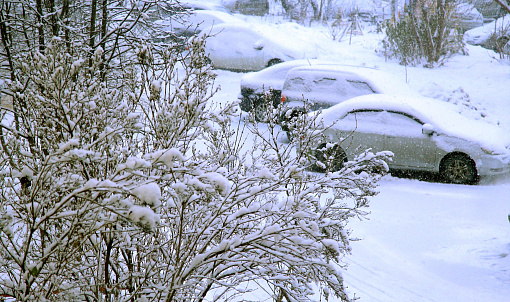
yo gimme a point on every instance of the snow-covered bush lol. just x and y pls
(126, 184)
(427, 34)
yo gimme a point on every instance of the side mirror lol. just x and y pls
(258, 45)
(427, 129)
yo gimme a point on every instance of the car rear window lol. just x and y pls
(325, 87)
(361, 86)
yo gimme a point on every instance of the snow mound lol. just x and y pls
(466, 106)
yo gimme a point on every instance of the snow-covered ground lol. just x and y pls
(425, 241)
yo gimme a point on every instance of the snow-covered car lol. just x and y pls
(203, 5)
(194, 22)
(268, 80)
(248, 7)
(467, 16)
(423, 133)
(252, 46)
(323, 86)
(492, 35)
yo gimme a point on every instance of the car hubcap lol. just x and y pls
(260, 113)
(458, 171)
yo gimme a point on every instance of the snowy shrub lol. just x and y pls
(428, 34)
(120, 182)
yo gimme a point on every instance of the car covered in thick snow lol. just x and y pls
(248, 7)
(424, 134)
(252, 46)
(194, 21)
(255, 85)
(323, 86)
(494, 35)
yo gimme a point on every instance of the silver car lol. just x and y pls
(424, 134)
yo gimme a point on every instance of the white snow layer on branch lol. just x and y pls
(143, 216)
(168, 157)
(72, 143)
(264, 173)
(218, 181)
(149, 193)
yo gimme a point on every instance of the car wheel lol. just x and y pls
(458, 169)
(260, 112)
(286, 119)
(273, 62)
(329, 158)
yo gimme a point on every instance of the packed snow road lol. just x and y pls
(433, 242)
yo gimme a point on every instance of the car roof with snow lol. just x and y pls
(274, 76)
(442, 115)
(292, 46)
(378, 80)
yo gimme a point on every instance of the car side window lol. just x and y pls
(361, 120)
(401, 124)
(362, 87)
(294, 83)
(324, 82)
(341, 87)
(381, 122)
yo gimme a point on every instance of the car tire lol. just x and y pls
(285, 119)
(458, 169)
(273, 62)
(332, 158)
(260, 112)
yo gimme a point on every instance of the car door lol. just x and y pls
(358, 132)
(403, 136)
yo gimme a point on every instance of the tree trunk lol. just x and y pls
(50, 6)
(40, 25)
(92, 28)
(505, 6)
